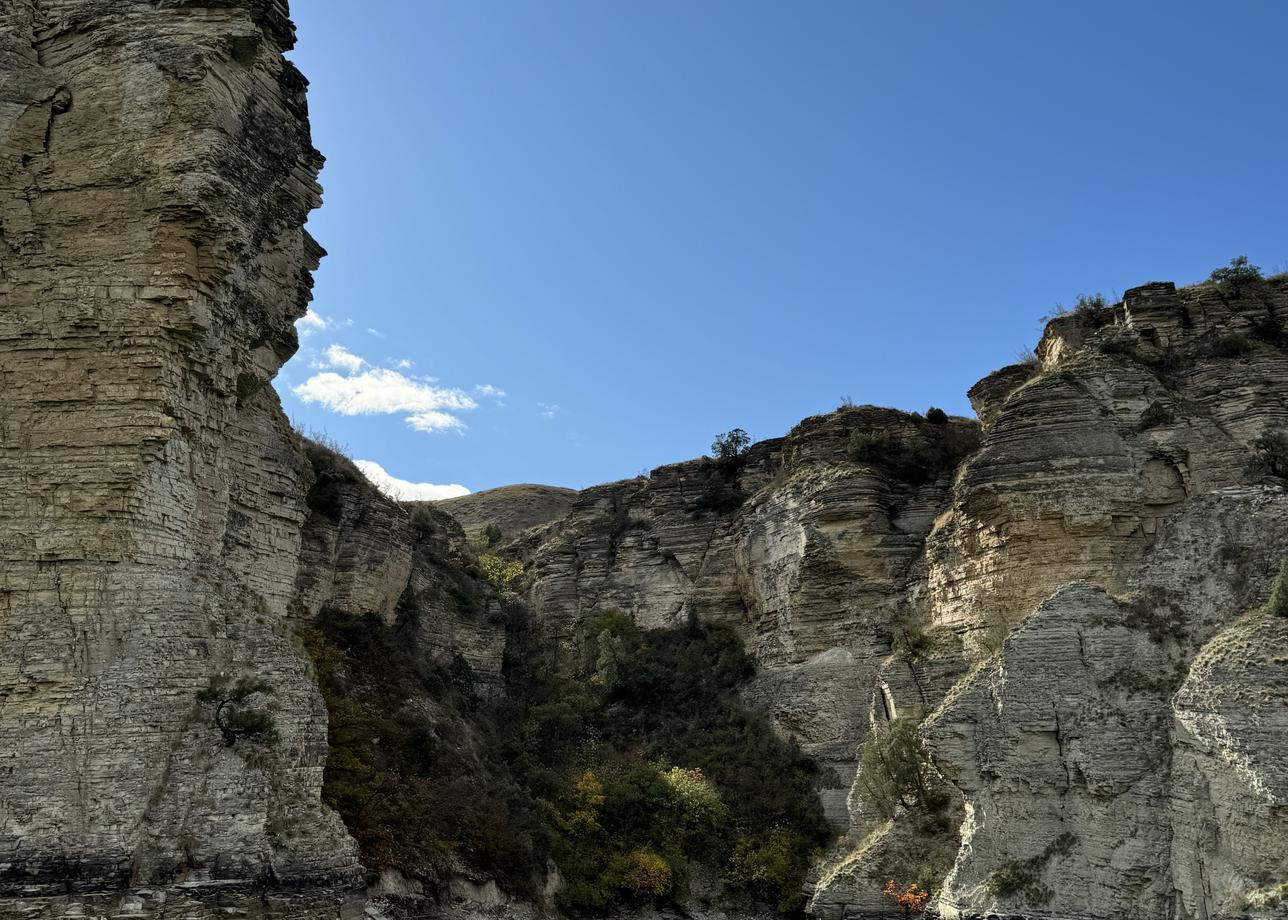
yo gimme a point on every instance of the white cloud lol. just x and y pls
(379, 391)
(549, 410)
(486, 389)
(376, 332)
(341, 357)
(404, 364)
(311, 322)
(402, 490)
(433, 420)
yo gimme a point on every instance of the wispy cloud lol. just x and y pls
(486, 389)
(341, 357)
(382, 391)
(375, 332)
(434, 420)
(402, 489)
(311, 322)
(549, 410)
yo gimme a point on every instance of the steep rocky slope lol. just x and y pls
(1077, 584)
(813, 561)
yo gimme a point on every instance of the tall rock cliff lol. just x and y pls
(155, 174)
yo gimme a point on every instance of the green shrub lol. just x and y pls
(492, 535)
(911, 641)
(333, 473)
(730, 446)
(914, 456)
(1278, 604)
(936, 416)
(1231, 345)
(500, 573)
(894, 769)
(1270, 452)
(647, 874)
(769, 867)
(1023, 877)
(1238, 273)
(720, 492)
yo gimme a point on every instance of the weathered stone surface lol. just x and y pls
(364, 554)
(155, 173)
(1126, 466)
(813, 568)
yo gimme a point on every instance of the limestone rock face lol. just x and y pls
(366, 555)
(812, 561)
(155, 174)
(1079, 574)
(1096, 558)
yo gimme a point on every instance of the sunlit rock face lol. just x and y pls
(1115, 519)
(1098, 560)
(812, 564)
(155, 174)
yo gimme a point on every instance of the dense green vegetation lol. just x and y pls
(1271, 452)
(626, 756)
(651, 723)
(407, 777)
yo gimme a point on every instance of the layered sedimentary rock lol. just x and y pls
(365, 555)
(1079, 573)
(155, 174)
(1097, 560)
(810, 554)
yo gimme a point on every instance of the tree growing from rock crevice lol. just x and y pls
(233, 715)
(894, 769)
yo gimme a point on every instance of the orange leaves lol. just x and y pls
(912, 899)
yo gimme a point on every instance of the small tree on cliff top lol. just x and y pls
(1238, 273)
(731, 445)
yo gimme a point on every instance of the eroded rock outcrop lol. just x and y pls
(1115, 523)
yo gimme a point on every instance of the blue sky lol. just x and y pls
(646, 223)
